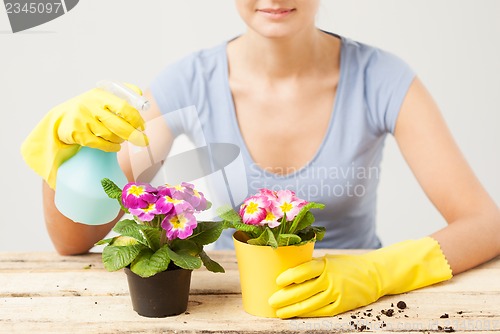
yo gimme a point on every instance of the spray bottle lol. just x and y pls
(79, 193)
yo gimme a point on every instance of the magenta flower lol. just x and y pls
(287, 203)
(179, 225)
(147, 243)
(165, 190)
(178, 205)
(174, 205)
(145, 214)
(164, 203)
(254, 210)
(187, 192)
(138, 195)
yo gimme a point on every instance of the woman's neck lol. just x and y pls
(279, 58)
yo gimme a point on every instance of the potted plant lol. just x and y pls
(161, 245)
(274, 233)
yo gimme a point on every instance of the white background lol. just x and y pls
(453, 45)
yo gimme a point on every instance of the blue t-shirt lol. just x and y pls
(344, 173)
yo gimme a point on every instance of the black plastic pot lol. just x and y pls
(162, 295)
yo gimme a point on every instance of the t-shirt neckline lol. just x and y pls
(329, 132)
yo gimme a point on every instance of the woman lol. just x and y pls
(297, 100)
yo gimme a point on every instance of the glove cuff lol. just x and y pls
(410, 265)
(44, 152)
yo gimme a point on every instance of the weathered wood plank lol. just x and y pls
(100, 282)
(218, 313)
(45, 292)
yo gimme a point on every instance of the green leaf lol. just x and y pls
(141, 264)
(187, 246)
(227, 213)
(111, 189)
(118, 257)
(265, 239)
(152, 236)
(307, 234)
(207, 232)
(149, 263)
(305, 209)
(311, 233)
(319, 231)
(303, 242)
(251, 229)
(231, 219)
(124, 241)
(184, 260)
(130, 228)
(211, 264)
(307, 220)
(104, 242)
(288, 239)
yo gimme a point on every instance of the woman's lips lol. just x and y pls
(276, 14)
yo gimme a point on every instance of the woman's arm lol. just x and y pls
(473, 232)
(70, 238)
(337, 283)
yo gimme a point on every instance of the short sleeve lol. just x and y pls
(387, 79)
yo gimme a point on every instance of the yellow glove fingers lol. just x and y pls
(99, 130)
(325, 311)
(121, 108)
(301, 273)
(122, 128)
(138, 138)
(103, 139)
(296, 293)
(97, 119)
(87, 131)
(101, 144)
(357, 280)
(306, 306)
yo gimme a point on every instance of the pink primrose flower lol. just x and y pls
(172, 200)
(271, 220)
(179, 225)
(138, 195)
(287, 204)
(254, 210)
(270, 194)
(187, 192)
(164, 204)
(165, 190)
(145, 214)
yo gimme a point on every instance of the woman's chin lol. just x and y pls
(275, 32)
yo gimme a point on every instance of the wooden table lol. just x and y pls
(48, 293)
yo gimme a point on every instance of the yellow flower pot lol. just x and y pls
(259, 266)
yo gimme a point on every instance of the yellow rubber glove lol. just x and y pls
(96, 119)
(338, 283)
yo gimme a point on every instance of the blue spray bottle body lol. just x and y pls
(79, 193)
